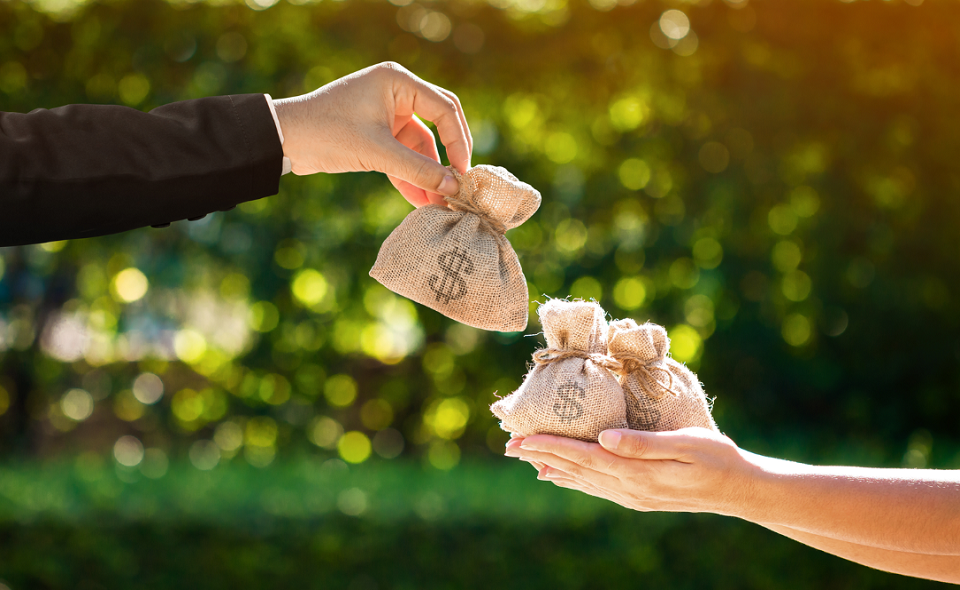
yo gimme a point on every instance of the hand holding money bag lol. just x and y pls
(661, 394)
(570, 390)
(457, 260)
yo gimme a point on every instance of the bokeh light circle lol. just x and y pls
(77, 404)
(674, 24)
(148, 388)
(128, 451)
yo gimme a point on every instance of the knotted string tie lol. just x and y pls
(546, 356)
(492, 225)
(633, 364)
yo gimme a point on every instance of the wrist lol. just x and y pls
(765, 497)
(749, 486)
(286, 165)
(282, 109)
(289, 120)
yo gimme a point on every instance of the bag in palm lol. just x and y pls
(569, 390)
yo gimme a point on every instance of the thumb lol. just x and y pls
(426, 173)
(635, 444)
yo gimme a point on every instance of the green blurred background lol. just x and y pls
(233, 402)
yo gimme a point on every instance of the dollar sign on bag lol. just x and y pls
(647, 418)
(567, 407)
(451, 286)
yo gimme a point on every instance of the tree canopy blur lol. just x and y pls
(773, 181)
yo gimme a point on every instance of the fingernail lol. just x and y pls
(512, 452)
(610, 439)
(449, 186)
(527, 446)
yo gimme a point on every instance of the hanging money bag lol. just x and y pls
(457, 260)
(661, 394)
(569, 390)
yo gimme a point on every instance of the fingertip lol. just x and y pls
(610, 439)
(459, 161)
(448, 186)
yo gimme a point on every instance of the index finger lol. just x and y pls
(669, 445)
(430, 103)
(463, 120)
(588, 455)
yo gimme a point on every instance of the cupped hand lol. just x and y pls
(367, 121)
(689, 470)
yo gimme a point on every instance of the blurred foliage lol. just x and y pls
(310, 525)
(772, 181)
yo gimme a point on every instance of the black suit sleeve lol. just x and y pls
(84, 170)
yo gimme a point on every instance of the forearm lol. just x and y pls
(916, 511)
(87, 170)
(943, 568)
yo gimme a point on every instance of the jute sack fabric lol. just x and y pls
(456, 259)
(569, 390)
(661, 394)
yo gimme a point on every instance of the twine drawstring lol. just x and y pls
(621, 363)
(645, 372)
(546, 356)
(492, 225)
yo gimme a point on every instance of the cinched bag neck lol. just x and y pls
(546, 356)
(645, 370)
(489, 223)
(494, 195)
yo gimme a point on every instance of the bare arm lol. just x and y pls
(914, 510)
(906, 521)
(942, 568)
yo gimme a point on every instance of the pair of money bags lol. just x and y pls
(596, 375)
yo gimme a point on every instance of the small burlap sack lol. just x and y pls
(457, 260)
(569, 390)
(661, 394)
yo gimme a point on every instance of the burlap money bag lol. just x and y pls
(457, 260)
(661, 394)
(569, 390)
